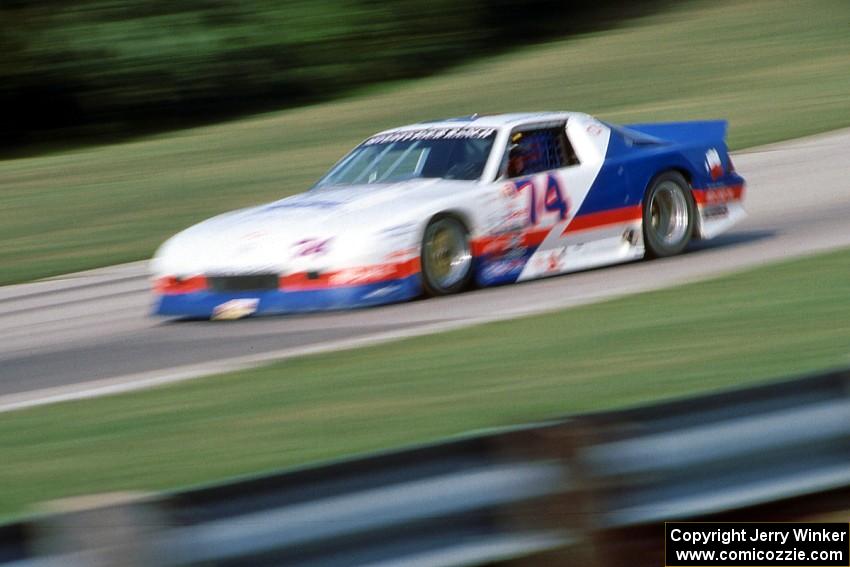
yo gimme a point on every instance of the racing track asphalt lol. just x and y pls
(90, 334)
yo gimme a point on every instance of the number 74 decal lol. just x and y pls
(552, 201)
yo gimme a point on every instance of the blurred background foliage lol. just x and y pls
(115, 68)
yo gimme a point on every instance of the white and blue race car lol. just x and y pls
(440, 206)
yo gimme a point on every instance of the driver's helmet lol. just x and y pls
(519, 145)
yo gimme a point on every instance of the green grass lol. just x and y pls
(776, 69)
(762, 324)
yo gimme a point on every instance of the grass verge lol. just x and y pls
(766, 323)
(775, 69)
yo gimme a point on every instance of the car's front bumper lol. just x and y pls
(208, 304)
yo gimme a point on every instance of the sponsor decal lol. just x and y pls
(720, 195)
(506, 246)
(594, 129)
(351, 276)
(509, 191)
(367, 274)
(431, 134)
(631, 236)
(713, 164)
(312, 247)
(235, 309)
(509, 213)
(551, 261)
(501, 268)
(503, 225)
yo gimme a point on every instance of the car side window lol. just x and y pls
(535, 150)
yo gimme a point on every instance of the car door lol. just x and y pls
(561, 175)
(538, 168)
(548, 183)
(548, 171)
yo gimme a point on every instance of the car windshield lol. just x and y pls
(446, 153)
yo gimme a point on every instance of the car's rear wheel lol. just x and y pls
(446, 256)
(668, 215)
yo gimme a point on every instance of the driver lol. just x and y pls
(517, 156)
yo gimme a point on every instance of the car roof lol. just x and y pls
(485, 121)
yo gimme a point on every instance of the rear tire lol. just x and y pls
(446, 256)
(668, 215)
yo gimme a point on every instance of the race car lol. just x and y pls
(437, 207)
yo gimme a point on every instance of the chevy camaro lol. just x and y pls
(436, 207)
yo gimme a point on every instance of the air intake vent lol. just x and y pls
(254, 282)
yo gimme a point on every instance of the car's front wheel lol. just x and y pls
(446, 256)
(668, 215)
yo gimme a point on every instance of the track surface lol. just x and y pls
(89, 334)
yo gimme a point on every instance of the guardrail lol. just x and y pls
(436, 505)
(589, 489)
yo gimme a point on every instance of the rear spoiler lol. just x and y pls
(708, 131)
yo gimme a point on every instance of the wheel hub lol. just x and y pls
(447, 253)
(669, 214)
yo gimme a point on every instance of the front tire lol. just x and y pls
(446, 256)
(668, 215)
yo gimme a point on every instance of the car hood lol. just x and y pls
(306, 231)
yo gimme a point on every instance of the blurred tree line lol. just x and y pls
(119, 67)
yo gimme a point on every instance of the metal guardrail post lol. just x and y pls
(585, 509)
(633, 545)
(564, 511)
(106, 530)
